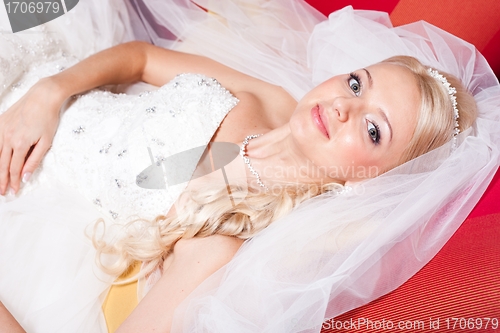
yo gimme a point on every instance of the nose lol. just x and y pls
(344, 107)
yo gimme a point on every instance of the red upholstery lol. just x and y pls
(463, 279)
(473, 21)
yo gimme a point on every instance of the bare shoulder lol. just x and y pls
(203, 254)
(207, 246)
(262, 106)
(7, 322)
(192, 261)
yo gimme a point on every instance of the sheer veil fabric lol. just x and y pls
(335, 252)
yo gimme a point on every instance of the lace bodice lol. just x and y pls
(105, 140)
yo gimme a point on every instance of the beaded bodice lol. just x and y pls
(105, 140)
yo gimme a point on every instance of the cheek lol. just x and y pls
(366, 166)
(356, 160)
(349, 148)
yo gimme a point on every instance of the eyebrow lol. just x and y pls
(370, 80)
(382, 112)
(384, 115)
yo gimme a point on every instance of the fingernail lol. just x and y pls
(26, 177)
(11, 191)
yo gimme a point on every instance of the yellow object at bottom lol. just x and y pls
(121, 300)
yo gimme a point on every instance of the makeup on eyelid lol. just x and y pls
(373, 128)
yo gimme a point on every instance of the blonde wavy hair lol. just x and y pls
(436, 120)
(207, 210)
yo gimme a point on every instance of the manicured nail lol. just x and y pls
(11, 191)
(26, 177)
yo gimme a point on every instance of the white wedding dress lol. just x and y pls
(104, 141)
(332, 254)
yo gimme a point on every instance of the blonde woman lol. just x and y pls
(340, 141)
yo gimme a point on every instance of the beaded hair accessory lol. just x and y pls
(451, 91)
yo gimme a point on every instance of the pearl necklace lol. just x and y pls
(243, 153)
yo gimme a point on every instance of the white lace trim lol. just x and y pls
(102, 142)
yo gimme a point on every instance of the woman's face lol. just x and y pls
(357, 125)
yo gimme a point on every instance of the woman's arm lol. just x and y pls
(140, 61)
(193, 261)
(7, 323)
(123, 63)
(28, 127)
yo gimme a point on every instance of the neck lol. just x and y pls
(276, 158)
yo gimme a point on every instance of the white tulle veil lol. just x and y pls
(335, 252)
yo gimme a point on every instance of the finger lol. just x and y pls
(16, 165)
(34, 159)
(5, 157)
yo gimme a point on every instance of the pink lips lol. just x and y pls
(316, 113)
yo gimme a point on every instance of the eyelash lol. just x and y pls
(375, 140)
(354, 76)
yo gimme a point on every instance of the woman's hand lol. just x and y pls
(28, 127)
(26, 132)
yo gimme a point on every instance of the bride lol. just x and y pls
(347, 137)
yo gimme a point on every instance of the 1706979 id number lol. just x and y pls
(461, 323)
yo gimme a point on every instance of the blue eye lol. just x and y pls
(355, 83)
(374, 132)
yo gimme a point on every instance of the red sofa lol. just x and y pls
(459, 289)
